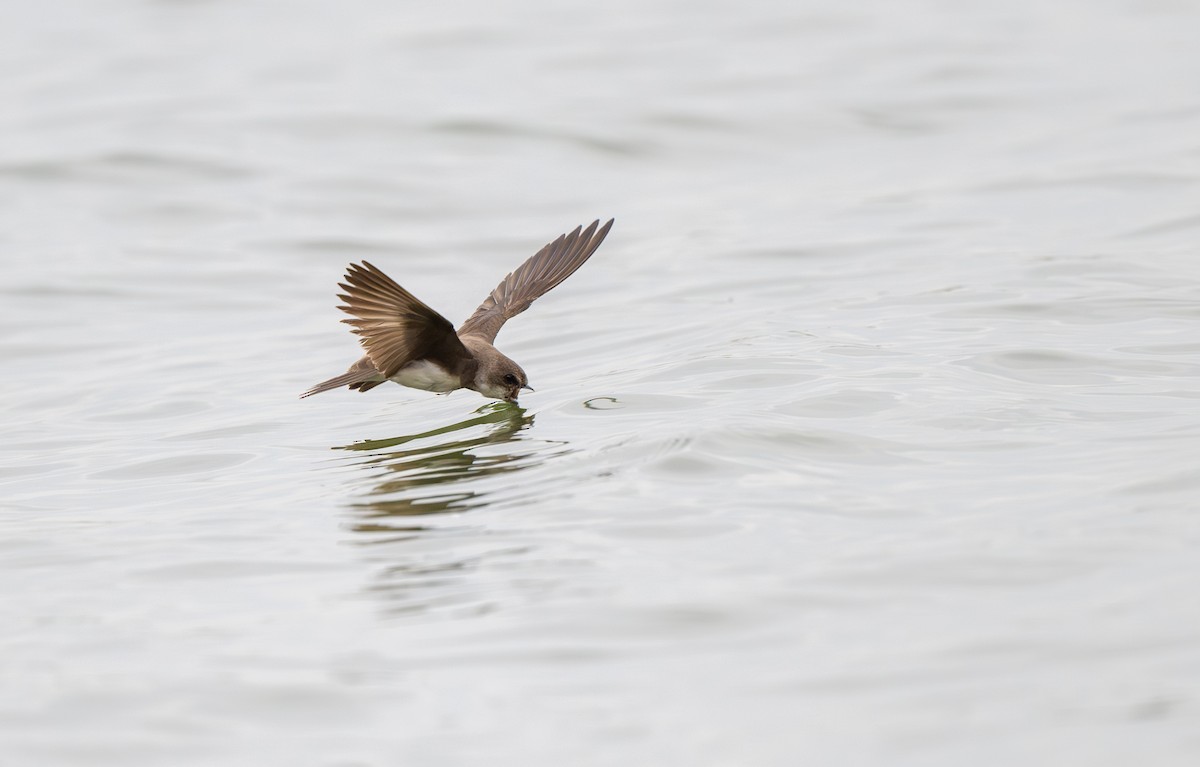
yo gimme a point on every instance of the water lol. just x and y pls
(868, 437)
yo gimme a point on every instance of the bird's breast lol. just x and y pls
(423, 374)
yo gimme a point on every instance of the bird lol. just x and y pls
(411, 344)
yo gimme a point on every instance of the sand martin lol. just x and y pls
(411, 344)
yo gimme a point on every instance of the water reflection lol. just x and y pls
(441, 470)
(425, 565)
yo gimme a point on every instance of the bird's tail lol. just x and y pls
(355, 379)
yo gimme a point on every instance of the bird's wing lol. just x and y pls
(396, 327)
(551, 265)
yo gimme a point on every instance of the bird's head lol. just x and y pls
(501, 378)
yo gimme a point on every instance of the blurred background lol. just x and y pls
(868, 437)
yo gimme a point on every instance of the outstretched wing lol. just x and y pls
(395, 326)
(545, 269)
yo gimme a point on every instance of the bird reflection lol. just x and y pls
(424, 564)
(436, 471)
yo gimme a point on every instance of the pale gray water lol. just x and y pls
(869, 437)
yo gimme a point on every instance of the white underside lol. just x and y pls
(423, 374)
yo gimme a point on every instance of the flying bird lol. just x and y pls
(412, 345)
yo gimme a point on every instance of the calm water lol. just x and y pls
(869, 437)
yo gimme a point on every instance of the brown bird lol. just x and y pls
(411, 344)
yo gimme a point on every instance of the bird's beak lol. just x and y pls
(527, 386)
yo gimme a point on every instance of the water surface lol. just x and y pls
(869, 436)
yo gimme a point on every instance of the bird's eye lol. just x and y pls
(510, 379)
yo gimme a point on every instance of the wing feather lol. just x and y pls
(554, 263)
(396, 327)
